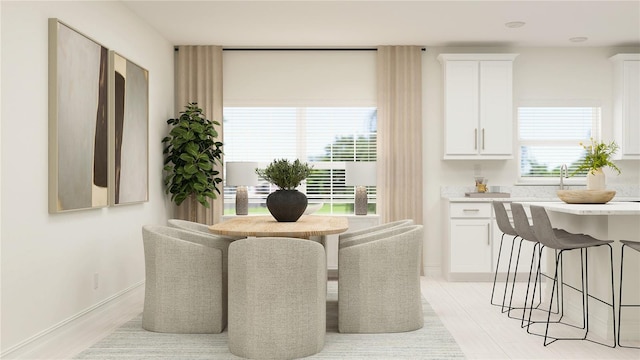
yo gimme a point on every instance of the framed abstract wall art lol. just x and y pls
(78, 120)
(129, 129)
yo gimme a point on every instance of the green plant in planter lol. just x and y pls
(284, 174)
(286, 204)
(598, 155)
(191, 152)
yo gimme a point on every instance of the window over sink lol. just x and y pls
(551, 136)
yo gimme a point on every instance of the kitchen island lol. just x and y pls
(611, 221)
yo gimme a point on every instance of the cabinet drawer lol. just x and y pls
(470, 210)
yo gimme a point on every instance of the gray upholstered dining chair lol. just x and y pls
(385, 226)
(195, 226)
(186, 281)
(277, 298)
(379, 282)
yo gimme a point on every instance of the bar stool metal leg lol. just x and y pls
(538, 282)
(495, 276)
(562, 242)
(621, 305)
(585, 301)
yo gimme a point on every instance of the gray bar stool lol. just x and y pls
(525, 231)
(635, 245)
(552, 239)
(506, 228)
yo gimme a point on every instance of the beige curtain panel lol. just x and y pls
(199, 79)
(399, 168)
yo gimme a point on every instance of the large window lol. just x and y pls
(326, 137)
(551, 136)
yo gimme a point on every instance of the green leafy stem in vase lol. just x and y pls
(598, 155)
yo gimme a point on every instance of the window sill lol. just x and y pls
(550, 182)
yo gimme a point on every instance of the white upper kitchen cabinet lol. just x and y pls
(626, 108)
(478, 106)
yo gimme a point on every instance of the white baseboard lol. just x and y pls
(433, 271)
(76, 333)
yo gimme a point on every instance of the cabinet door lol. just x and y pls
(496, 110)
(631, 109)
(461, 107)
(470, 246)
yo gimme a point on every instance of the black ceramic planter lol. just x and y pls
(286, 205)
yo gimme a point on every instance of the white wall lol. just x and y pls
(282, 78)
(540, 74)
(48, 261)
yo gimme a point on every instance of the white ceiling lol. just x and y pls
(370, 23)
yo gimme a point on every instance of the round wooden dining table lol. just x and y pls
(306, 227)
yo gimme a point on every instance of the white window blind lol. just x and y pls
(326, 137)
(550, 137)
(316, 106)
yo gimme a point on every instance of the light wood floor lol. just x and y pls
(483, 332)
(480, 329)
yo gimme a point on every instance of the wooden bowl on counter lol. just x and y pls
(586, 196)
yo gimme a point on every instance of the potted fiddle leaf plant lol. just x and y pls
(190, 154)
(286, 204)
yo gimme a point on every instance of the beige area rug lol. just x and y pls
(433, 341)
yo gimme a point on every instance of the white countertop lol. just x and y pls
(526, 199)
(502, 199)
(610, 208)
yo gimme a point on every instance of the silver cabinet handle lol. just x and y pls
(475, 139)
(488, 235)
(482, 138)
(470, 209)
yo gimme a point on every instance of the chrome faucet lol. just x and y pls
(566, 175)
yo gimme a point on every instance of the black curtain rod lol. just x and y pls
(298, 49)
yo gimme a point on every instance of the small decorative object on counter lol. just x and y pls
(598, 155)
(481, 184)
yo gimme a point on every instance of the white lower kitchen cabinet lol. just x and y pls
(474, 244)
(470, 246)
(469, 255)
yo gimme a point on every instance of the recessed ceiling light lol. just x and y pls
(514, 24)
(579, 39)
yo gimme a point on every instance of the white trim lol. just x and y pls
(100, 318)
(550, 181)
(432, 271)
(566, 102)
(466, 57)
